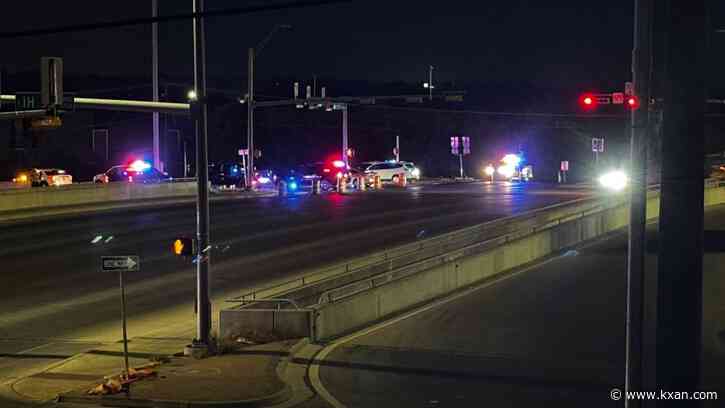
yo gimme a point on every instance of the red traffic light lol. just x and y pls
(632, 102)
(587, 101)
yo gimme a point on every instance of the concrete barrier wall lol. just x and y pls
(466, 266)
(284, 323)
(49, 197)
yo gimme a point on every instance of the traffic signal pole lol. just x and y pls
(641, 77)
(155, 80)
(345, 136)
(199, 112)
(250, 119)
(681, 224)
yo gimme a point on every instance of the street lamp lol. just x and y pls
(250, 99)
(191, 95)
(429, 85)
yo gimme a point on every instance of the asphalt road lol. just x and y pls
(55, 302)
(553, 335)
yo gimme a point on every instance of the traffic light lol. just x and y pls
(183, 246)
(588, 101)
(632, 102)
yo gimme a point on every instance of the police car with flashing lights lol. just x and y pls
(136, 172)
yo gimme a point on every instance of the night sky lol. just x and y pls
(378, 40)
(555, 40)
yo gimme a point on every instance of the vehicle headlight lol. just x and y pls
(506, 170)
(489, 170)
(416, 172)
(614, 180)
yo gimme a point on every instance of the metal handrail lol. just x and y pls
(271, 300)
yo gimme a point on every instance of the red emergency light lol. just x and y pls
(588, 101)
(632, 102)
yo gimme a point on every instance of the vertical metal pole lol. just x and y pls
(123, 322)
(460, 162)
(186, 161)
(679, 267)
(344, 134)
(155, 74)
(250, 118)
(641, 73)
(202, 175)
(397, 148)
(430, 83)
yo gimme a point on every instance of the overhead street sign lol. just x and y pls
(125, 263)
(32, 100)
(27, 101)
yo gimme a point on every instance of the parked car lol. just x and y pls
(136, 172)
(227, 174)
(388, 171)
(43, 177)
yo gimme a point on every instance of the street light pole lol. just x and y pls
(155, 75)
(344, 136)
(641, 77)
(250, 119)
(199, 112)
(430, 83)
(252, 52)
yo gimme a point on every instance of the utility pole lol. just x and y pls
(155, 74)
(641, 77)
(679, 267)
(344, 135)
(252, 53)
(203, 323)
(250, 119)
(430, 83)
(397, 148)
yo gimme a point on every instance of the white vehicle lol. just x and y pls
(388, 171)
(50, 177)
(411, 172)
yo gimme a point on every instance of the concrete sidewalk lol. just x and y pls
(244, 376)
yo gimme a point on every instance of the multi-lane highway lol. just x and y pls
(54, 300)
(552, 335)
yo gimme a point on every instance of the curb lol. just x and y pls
(277, 398)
